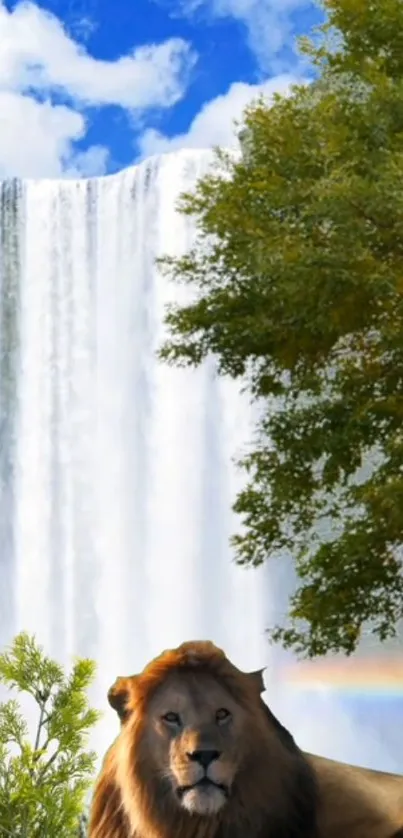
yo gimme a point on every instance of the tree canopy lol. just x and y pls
(296, 284)
(44, 779)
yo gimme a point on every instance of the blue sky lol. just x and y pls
(88, 87)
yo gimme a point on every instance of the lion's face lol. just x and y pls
(193, 731)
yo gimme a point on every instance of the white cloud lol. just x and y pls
(36, 52)
(92, 162)
(214, 124)
(268, 22)
(35, 137)
(39, 59)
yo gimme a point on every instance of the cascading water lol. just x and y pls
(116, 471)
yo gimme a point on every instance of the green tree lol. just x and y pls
(44, 779)
(296, 282)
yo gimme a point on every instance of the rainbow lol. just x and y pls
(381, 675)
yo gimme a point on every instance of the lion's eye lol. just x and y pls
(171, 718)
(222, 715)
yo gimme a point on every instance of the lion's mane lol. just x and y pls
(126, 803)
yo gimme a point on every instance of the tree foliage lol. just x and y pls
(44, 779)
(296, 282)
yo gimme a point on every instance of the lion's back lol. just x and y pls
(356, 802)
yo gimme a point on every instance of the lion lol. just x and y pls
(200, 755)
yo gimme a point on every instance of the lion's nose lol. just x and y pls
(204, 757)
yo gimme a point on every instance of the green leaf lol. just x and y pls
(44, 782)
(296, 288)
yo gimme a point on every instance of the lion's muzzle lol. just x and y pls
(205, 796)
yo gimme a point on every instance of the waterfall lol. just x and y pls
(116, 471)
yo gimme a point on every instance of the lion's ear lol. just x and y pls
(119, 694)
(257, 679)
